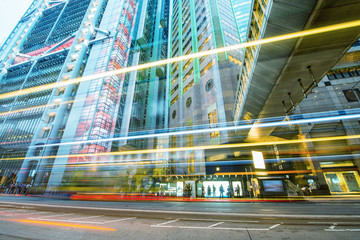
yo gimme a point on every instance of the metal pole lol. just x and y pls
(252, 177)
(247, 180)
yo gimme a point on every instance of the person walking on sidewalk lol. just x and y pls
(221, 189)
(209, 191)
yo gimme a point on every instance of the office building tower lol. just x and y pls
(201, 89)
(242, 14)
(59, 42)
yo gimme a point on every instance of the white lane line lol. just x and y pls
(217, 220)
(326, 222)
(214, 228)
(274, 226)
(118, 220)
(333, 226)
(85, 217)
(190, 227)
(161, 224)
(215, 224)
(58, 215)
(343, 230)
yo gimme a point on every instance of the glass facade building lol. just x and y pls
(242, 9)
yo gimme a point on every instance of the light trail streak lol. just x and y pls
(209, 130)
(218, 163)
(64, 224)
(284, 37)
(262, 173)
(36, 107)
(206, 147)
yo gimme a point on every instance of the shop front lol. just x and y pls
(343, 182)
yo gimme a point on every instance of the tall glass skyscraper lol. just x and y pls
(54, 47)
(242, 14)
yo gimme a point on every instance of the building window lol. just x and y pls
(350, 95)
(187, 87)
(174, 89)
(209, 85)
(173, 115)
(61, 92)
(213, 120)
(46, 133)
(191, 163)
(188, 102)
(60, 132)
(207, 67)
(51, 119)
(174, 100)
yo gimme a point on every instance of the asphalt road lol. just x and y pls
(42, 218)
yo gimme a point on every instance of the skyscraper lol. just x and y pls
(242, 15)
(57, 42)
(201, 90)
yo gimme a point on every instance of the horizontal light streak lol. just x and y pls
(264, 173)
(284, 37)
(209, 130)
(206, 147)
(64, 224)
(36, 107)
(217, 163)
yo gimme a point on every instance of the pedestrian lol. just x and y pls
(209, 191)
(186, 190)
(22, 188)
(237, 190)
(214, 191)
(27, 188)
(12, 188)
(221, 189)
(202, 191)
(228, 193)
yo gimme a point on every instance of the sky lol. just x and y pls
(11, 12)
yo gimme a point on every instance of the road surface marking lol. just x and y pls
(333, 226)
(118, 220)
(215, 224)
(217, 220)
(164, 225)
(190, 227)
(160, 224)
(85, 217)
(343, 230)
(274, 226)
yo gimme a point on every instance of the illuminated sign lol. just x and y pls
(258, 159)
